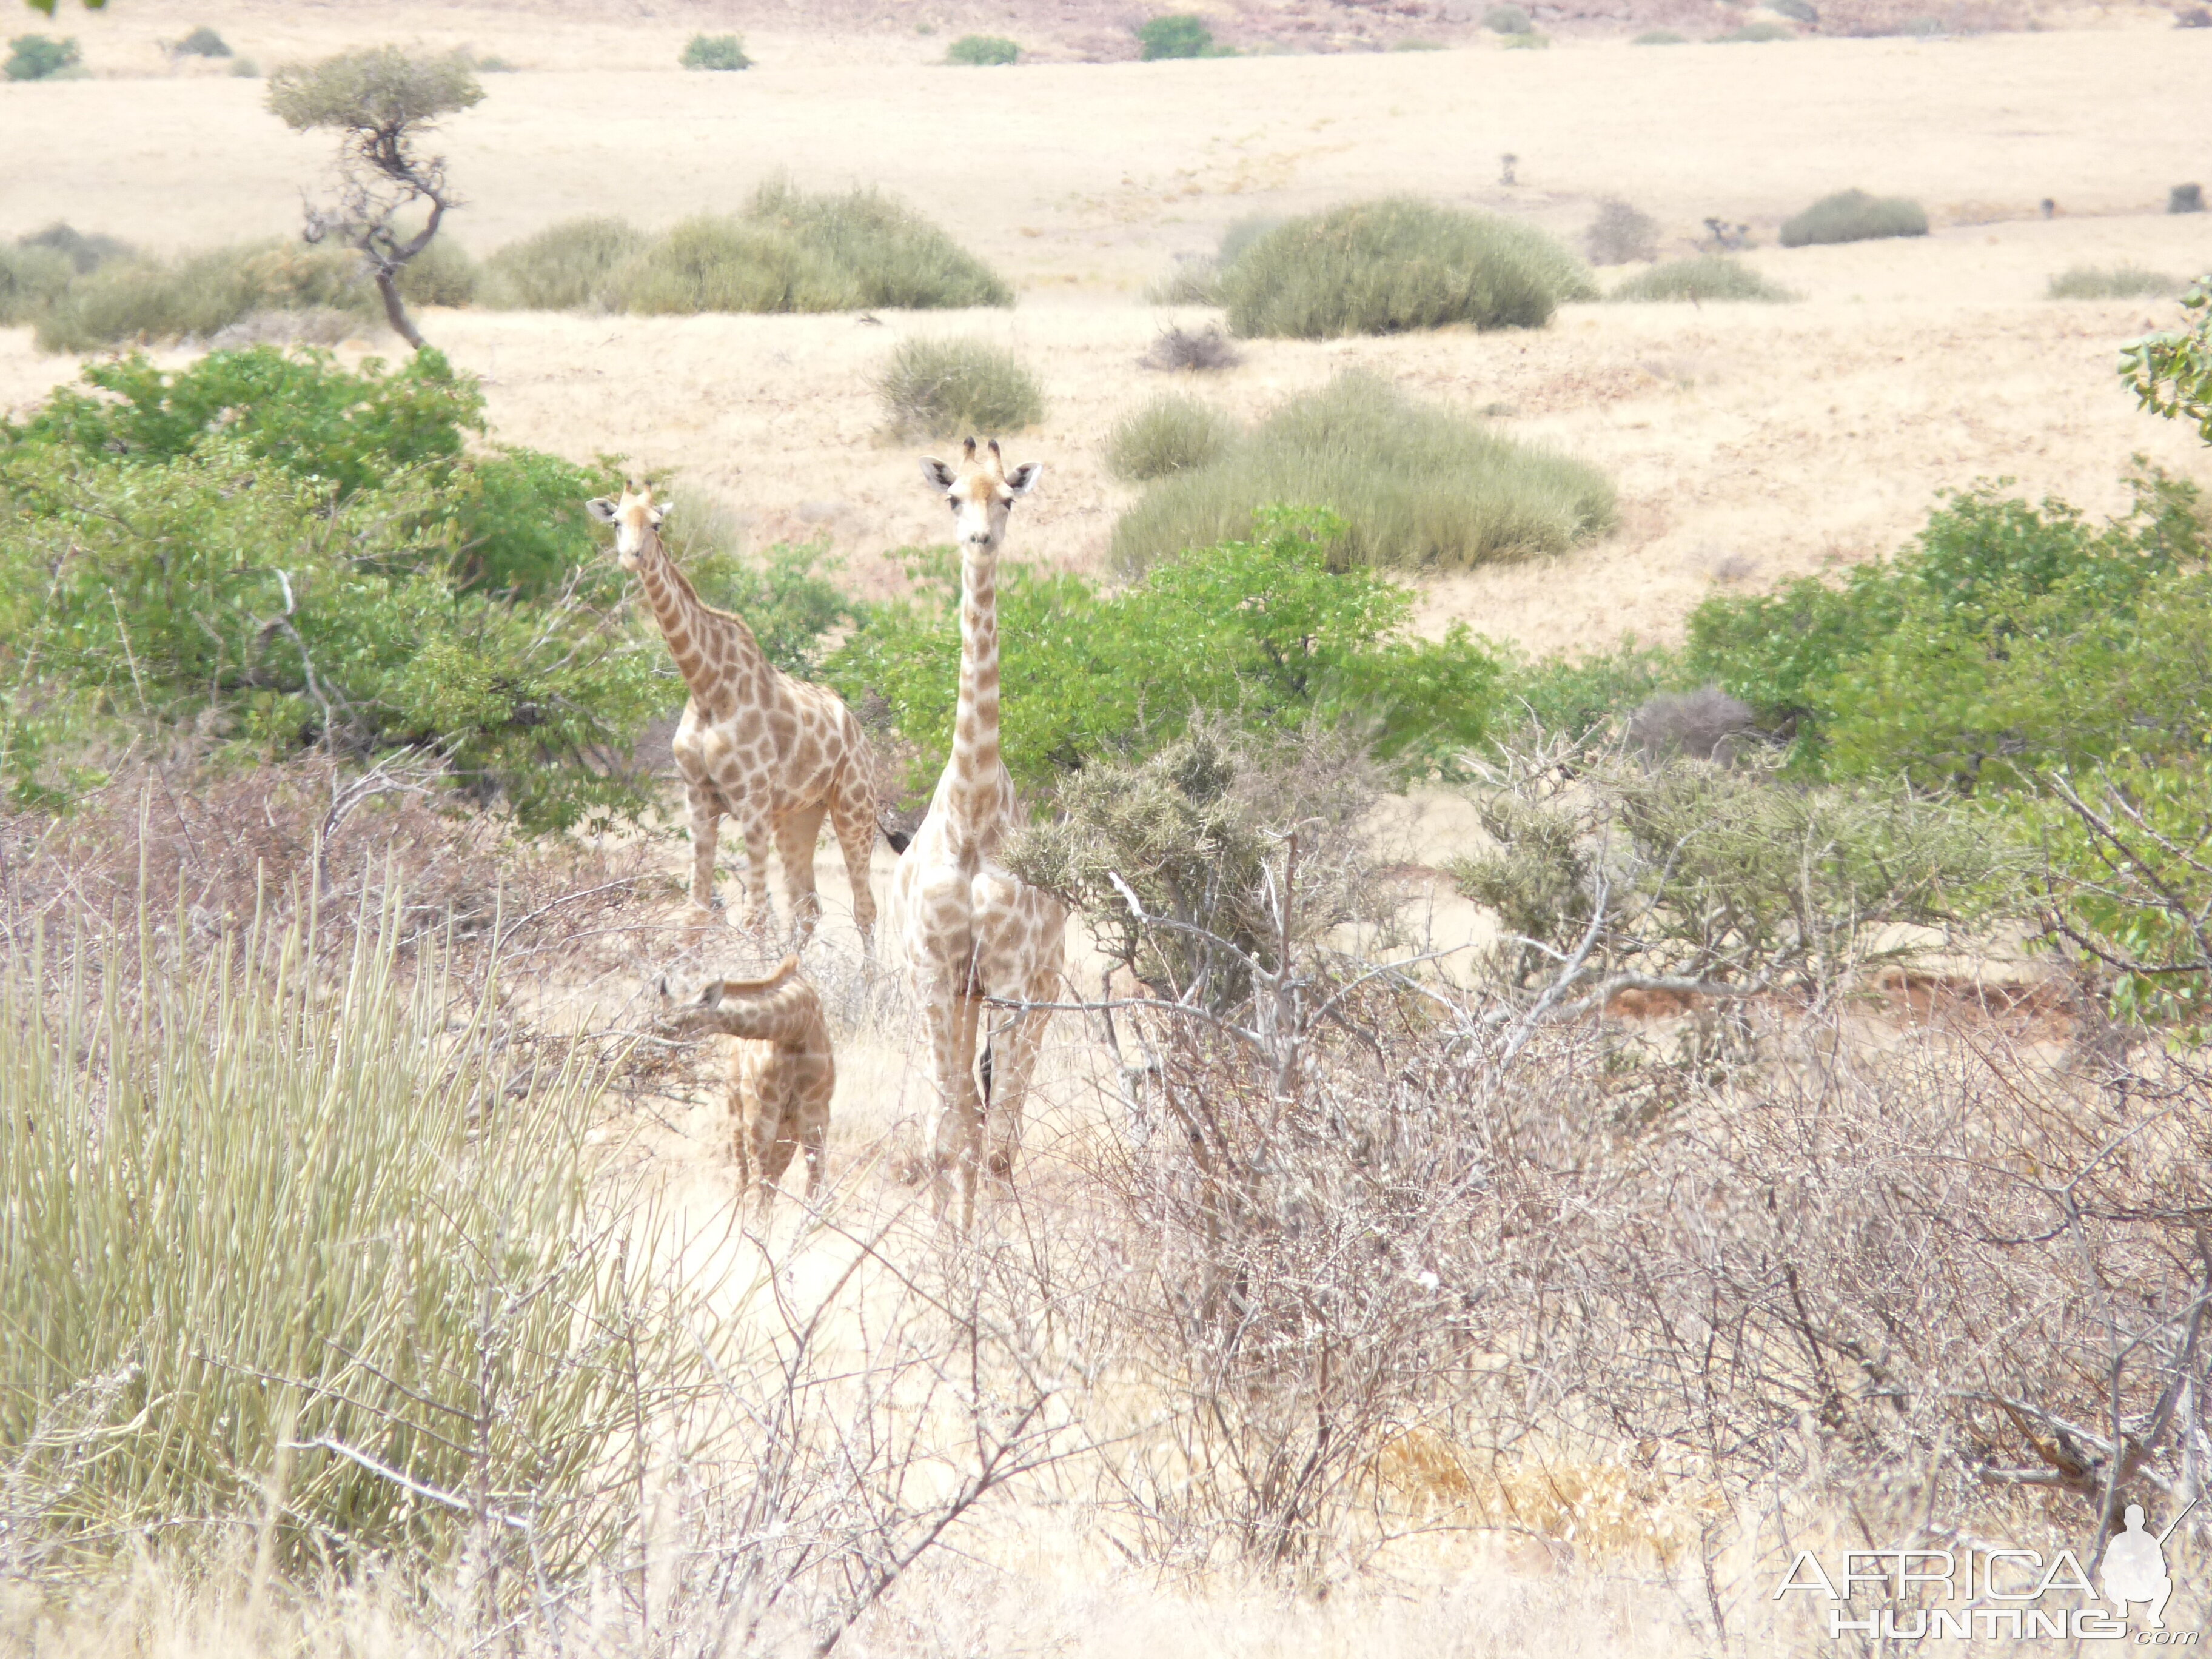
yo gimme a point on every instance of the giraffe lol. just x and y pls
(968, 930)
(772, 751)
(781, 1070)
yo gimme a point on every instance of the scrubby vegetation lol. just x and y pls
(1168, 435)
(1506, 19)
(201, 42)
(569, 266)
(2113, 282)
(1411, 485)
(1659, 37)
(1756, 34)
(958, 388)
(983, 50)
(1179, 35)
(1708, 276)
(1621, 232)
(1200, 351)
(716, 52)
(1853, 215)
(39, 57)
(1384, 267)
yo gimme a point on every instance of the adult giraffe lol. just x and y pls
(970, 934)
(773, 752)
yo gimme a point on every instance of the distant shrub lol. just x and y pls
(564, 267)
(1195, 281)
(1706, 724)
(1852, 216)
(203, 292)
(2113, 282)
(84, 253)
(316, 326)
(245, 69)
(1167, 435)
(442, 274)
(1412, 44)
(1198, 349)
(1414, 485)
(982, 51)
(1525, 42)
(1797, 11)
(39, 57)
(1708, 276)
(1754, 33)
(1178, 36)
(2185, 198)
(201, 42)
(31, 279)
(716, 52)
(1621, 233)
(892, 255)
(1506, 19)
(1659, 37)
(1587, 697)
(723, 262)
(955, 388)
(1388, 266)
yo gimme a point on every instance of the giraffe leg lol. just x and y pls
(812, 1139)
(775, 1160)
(953, 1020)
(795, 845)
(852, 815)
(1014, 1050)
(752, 819)
(706, 809)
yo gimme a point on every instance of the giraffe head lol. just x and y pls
(695, 1013)
(635, 516)
(981, 492)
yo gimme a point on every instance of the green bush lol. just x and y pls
(422, 589)
(245, 69)
(1756, 33)
(2170, 372)
(1388, 266)
(2113, 282)
(201, 42)
(1195, 281)
(891, 253)
(564, 267)
(1262, 632)
(1797, 11)
(1621, 232)
(1178, 36)
(197, 295)
(300, 1212)
(956, 388)
(1659, 37)
(1708, 276)
(722, 263)
(31, 279)
(1852, 216)
(1409, 483)
(442, 274)
(1506, 19)
(39, 57)
(716, 52)
(981, 51)
(1580, 697)
(1168, 435)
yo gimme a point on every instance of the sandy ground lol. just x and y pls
(1749, 442)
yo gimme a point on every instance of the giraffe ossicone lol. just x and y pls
(976, 942)
(771, 752)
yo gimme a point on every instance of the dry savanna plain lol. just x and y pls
(1748, 443)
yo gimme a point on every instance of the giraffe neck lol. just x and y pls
(780, 1015)
(711, 647)
(975, 767)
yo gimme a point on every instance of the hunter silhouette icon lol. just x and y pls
(2134, 1568)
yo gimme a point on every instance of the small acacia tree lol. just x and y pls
(381, 101)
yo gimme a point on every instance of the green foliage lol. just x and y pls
(716, 52)
(2113, 282)
(1757, 34)
(1506, 19)
(31, 279)
(956, 388)
(1178, 36)
(442, 274)
(1659, 37)
(201, 42)
(1167, 435)
(274, 550)
(1621, 232)
(890, 254)
(39, 57)
(1709, 276)
(1410, 484)
(372, 89)
(1262, 633)
(2170, 372)
(981, 51)
(2007, 639)
(565, 267)
(785, 596)
(1386, 266)
(1580, 697)
(723, 262)
(1852, 216)
(150, 301)
(303, 1225)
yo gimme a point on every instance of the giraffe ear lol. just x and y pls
(656, 513)
(1023, 479)
(601, 509)
(937, 472)
(711, 995)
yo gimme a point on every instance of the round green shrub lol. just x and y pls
(716, 52)
(564, 267)
(31, 279)
(983, 50)
(1178, 36)
(1709, 276)
(201, 42)
(442, 274)
(39, 57)
(718, 262)
(1167, 435)
(956, 388)
(1507, 20)
(1388, 266)
(1852, 216)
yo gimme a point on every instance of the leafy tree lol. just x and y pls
(380, 101)
(1260, 633)
(2170, 372)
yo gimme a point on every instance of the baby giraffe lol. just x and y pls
(782, 1072)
